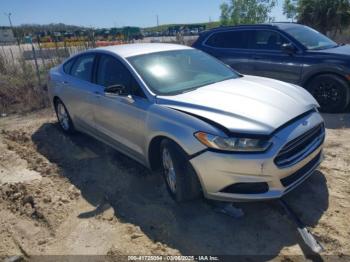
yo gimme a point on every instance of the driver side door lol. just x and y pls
(270, 60)
(120, 118)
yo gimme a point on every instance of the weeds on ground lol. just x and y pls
(19, 86)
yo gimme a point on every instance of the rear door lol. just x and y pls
(231, 47)
(79, 91)
(270, 60)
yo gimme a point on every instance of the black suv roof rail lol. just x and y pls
(223, 27)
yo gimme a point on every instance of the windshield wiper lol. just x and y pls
(325, 47)
(335, 46)
(203, 84)
(189, 90)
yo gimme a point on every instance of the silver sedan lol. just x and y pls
(210, 130)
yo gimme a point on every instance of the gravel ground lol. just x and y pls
(72, 195)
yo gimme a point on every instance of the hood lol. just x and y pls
(339, 50)
(252, 105)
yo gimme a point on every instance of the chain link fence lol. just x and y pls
(23, 71)
(24, 68)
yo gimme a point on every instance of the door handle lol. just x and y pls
(65, 82)
(257, 57)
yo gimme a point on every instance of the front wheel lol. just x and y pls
(331, 92)
(181, 179)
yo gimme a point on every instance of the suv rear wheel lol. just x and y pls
(331, 92)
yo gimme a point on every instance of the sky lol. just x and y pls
(114, 13)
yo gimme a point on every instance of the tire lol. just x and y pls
(63, 117)
(331, 92)
(187, 186)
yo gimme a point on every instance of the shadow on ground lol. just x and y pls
(336, 121)
(106, 177)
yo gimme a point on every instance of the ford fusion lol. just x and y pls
(209, 130)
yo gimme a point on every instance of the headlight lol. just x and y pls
(234, 144)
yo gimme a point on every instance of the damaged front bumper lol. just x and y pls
(253, 177)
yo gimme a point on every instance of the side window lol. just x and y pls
(267, 40)
(82, 68)
(112, 72)
(229, 39)
(68, 65)
(135, 89)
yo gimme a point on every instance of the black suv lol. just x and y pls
(289, 52)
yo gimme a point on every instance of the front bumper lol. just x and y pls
(218, 171)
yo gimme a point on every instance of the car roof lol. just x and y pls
(280, 25)
(129, 50)
(285, 25)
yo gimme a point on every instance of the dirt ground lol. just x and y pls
(72, 195)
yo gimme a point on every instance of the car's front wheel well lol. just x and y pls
(154, 156)
(187, 184)
(313, 76)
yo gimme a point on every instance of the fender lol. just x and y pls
(309, 71)
(178, 126)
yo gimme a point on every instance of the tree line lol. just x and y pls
(326, 16)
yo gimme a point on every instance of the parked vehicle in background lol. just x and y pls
(289, 52)
(209, 129)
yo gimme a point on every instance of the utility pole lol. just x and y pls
(11, 26)
(9, 17)
(157, 20)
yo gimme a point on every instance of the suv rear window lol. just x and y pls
(229, 39)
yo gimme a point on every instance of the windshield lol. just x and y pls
(174, 72)
(310, 38)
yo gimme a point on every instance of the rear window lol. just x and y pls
(68, 65)
(229, 39)
(82, 68)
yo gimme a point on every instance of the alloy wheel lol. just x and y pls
(327, 93)
(62, 116)
(169, 170)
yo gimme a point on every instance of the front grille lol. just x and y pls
(295, 150)
(287, 181)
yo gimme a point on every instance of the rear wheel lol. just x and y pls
(181, 179)
(331, 92)
(63, 117)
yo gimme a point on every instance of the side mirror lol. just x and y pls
(118, 90)
(289, 48)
